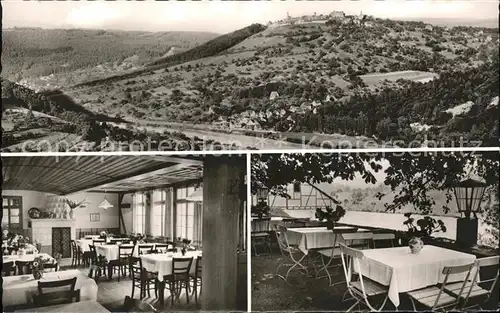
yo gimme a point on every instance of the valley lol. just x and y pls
(343, 80)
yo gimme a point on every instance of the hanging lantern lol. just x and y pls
(469, 194)
(262, 193)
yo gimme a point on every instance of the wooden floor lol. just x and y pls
(111, 293)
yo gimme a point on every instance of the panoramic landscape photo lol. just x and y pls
(96, 76)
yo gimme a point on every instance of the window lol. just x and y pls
(184, 213)
(158, 213)
(12, 212)
(297, 190)
(139, 213)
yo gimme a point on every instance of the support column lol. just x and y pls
(222, 179)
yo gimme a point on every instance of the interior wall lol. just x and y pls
(107, 218)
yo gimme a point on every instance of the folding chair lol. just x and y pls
(353, 240)
(363, 288)
(290, 253)
(475, 289)
(332, 253)
(384, 238)
(435, 298)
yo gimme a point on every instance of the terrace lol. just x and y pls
(308, 240)
(124, 233)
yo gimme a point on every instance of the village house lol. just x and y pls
(274, 95)
(337, 15)
(429, 28)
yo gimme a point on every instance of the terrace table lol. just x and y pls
(19, 290)
(403, 271)
(75, 307)
(310, 238)
(162, 264)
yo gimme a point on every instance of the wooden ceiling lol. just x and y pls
(69, 174)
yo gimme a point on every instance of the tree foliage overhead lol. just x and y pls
(411, 176)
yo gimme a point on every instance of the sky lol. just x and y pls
(221, 16)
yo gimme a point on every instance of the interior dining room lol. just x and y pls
(118, 233)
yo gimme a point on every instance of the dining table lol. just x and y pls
(311, 238)
(29, 258)
(75, 307)
(403, 271)
(162, 265)
(19, 290)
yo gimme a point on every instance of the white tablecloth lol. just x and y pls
(403, 271)
(84, 244)
(92, 237)
(75, 307)
(18, 290)
(308, 238)
(26, 257)
(162, 263)
(111, 251)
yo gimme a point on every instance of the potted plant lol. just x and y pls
(261, 209)
(73, 205)
(420, 233)
(103, 235)
(37, 267)
(330, 215)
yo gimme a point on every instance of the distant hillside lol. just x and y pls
(211, 47)
(34, 52)
(487, 23)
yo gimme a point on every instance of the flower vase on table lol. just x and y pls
(37, 275)
(416, 244)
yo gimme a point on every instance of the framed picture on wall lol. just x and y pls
(95, 217)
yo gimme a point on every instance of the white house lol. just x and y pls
(273, 95)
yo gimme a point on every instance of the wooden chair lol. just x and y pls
(260, 234)
(134, 305)
(478, 291)
(196, 278)
(179, 278)
(160, 247)
(435, 298)
(98, 241)
(388, 238)
(8, 268)
(145, 249)
(141, 278)
(48, 267)
(332, 254)
(56, 297)
(363, 288)
(122, 263)
(75, 254)
(23, 267)
(97, 270)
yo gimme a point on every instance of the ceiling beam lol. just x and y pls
(175, 159)
(185, 182)
(164, 171)
(143, 172)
